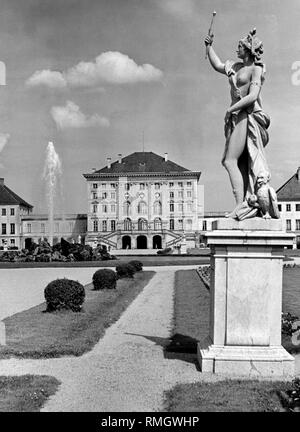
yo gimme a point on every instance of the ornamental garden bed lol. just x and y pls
(36, 334)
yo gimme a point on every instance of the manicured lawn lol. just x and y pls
(26, 393)
(191, 324)
(191, 314)
(36, 334)
(227, 396)
(291, 302)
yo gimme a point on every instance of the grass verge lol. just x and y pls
(227, 396)
(26, 393)
(191, 324)
(191, 313)
(291, 304)
(36, 334)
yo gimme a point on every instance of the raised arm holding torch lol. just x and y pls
(210, 32)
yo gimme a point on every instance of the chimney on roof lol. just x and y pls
(93, 169)
(108, 162)
(1, 181)
(166, 157)
(298, 174)
(120, 157)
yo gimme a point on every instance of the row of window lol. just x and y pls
(288, 207)
(142, 208)
(105, 208)
(103, 185)
(104, 226)
(12, 228)
(289, 224)
(142, 185)
(142, 225)
(4, 211)
(11, 241)
(180, 194)
(105, 195)
(43, 227)
(180, 207)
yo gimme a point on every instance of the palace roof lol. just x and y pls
(139, 163)
(8, 197)
(290, 191)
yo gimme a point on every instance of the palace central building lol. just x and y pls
(143, 201)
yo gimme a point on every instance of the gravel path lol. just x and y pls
(126, 370)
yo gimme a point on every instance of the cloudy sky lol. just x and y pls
(93, 75)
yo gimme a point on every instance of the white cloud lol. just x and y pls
(109, 67)
(4, 138)
(47, 77)
(70, 116)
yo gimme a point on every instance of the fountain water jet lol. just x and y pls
(52, 176)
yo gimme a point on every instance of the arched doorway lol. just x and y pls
(141, 242)
(126, 242)
(157, 242)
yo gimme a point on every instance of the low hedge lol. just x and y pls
(125, 271)
(64, 294)
(104, 279)
(138, 265)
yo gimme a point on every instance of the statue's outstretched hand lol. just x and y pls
(209, 40)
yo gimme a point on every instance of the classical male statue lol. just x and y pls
(246, 125)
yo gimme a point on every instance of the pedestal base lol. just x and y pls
(246, 361)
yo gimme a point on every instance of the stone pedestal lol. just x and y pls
(246, 300)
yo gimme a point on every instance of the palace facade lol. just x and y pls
(288, 196)
(140, 201)
(71, 227)
(12, 209)
(143, 201)
(20, 227)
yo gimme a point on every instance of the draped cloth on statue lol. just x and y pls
(257, 139)
(257, 134)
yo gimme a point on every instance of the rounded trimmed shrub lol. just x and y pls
(125, 271)
(64, 294)
(104, 279)
(138, 265)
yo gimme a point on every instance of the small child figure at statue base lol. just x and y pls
(266, 197)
